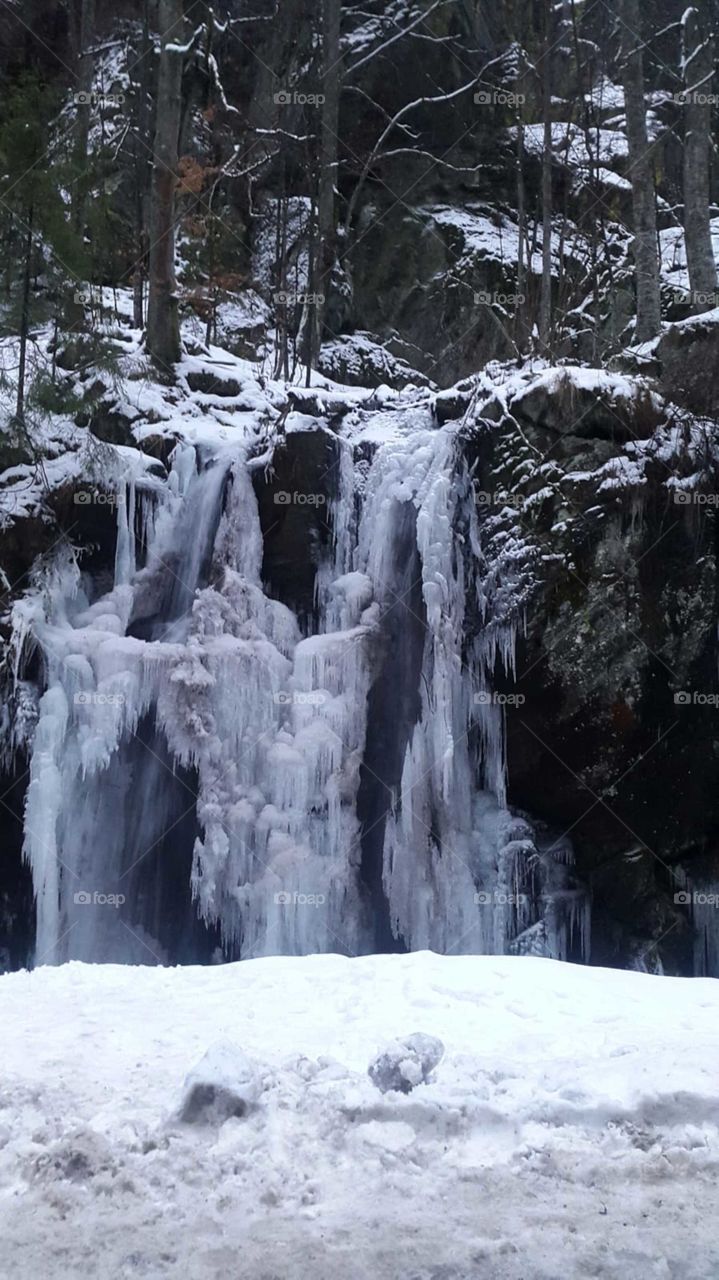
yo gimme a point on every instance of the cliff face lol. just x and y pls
(542, 567)
(616, 740)
(596, 500)
(592, 542)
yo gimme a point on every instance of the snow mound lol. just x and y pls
(406, 1063)
(223, 1084)
(573, 1129)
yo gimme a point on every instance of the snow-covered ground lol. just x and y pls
(569, 1131)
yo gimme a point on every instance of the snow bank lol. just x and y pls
(569, 1130)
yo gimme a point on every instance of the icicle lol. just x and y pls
(337, 565)
(703, 902)
(45, 796)
(125, 549)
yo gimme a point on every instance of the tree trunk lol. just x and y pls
(163, 326)
(24, 324)
(85, 37)
(326, 251)
(698, 66)
(520, 313)
(140, 156)
(545, 303)
(642, 175)
(309, 343)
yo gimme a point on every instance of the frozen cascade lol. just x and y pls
(460, 871)
(185, 710)
(278, 757)
(704, 917)
(699, 894)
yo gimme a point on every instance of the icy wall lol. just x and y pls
(338, 786)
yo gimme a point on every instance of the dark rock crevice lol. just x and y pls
(392, 711)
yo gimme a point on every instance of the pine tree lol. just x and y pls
(37, 229)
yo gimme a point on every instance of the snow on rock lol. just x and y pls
(673, 262)
(572, 1128)
(358, 360)
(223, 1084)
(576, 146)
(406, 1063)
(485, 234)
(576, 400)
(605, 95)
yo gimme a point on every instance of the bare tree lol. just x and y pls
(641, 173)
(698, 69)
(163, 325)
(326, 225)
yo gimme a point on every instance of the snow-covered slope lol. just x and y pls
(570, 1130)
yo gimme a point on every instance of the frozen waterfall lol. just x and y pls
(211, 775)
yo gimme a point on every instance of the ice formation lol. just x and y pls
(321, 780)
(698, 894)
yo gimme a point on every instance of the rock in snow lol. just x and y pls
(406, 1063)
(223, 1084)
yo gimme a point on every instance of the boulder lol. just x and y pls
(222, 1085)
(404, 1064)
